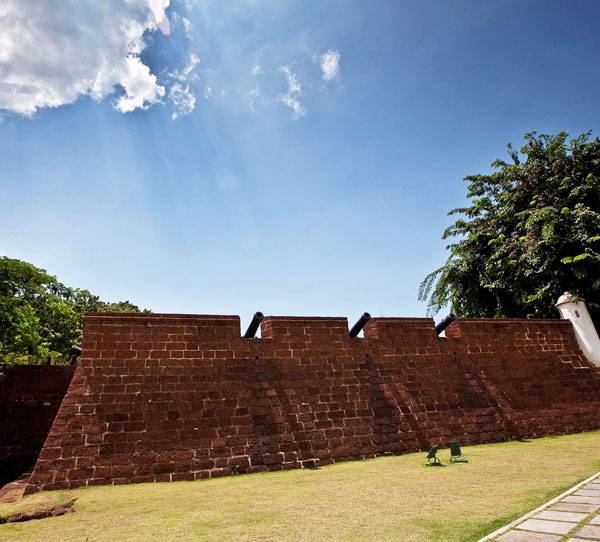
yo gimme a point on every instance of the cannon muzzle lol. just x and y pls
(256, 320)
(360, 324)
(445, 323)
(76, 351)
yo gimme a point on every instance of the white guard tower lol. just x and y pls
(575, 310)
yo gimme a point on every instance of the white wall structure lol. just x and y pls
(575, 310)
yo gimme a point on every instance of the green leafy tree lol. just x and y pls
(531, 232)
(41, 318)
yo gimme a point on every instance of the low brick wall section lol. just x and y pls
(167, 397)
(29, 399)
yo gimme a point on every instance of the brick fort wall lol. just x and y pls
(168, 397)
(29, 399)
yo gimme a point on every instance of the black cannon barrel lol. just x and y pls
(256, 320)
(360, 324)
(445, 323)
(76, 351)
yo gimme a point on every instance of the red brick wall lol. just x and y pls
(167, 397)
(29, 399)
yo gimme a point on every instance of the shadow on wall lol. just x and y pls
(30, 396)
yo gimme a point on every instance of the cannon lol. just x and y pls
(445, 323)
(76, 351)
(360, 324)
(256, 320)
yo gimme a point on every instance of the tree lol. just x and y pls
(532, 232)
(41, 318)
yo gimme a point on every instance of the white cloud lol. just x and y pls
(208, 92)
(158, 10)
(51, 53)
(183, 100)
(176, 19)
(139, 84)
(289, 98)
(254, 94)
(292, 79)
(256, 71)
(294, 104)
(186, 74)
(330, 64)
(194, 61)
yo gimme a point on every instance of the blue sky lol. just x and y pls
(299, 158)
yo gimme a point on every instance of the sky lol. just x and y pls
(293, 157)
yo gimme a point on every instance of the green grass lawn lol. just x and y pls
(389, 498)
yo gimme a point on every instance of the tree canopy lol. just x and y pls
(41, 318)
(530, 233)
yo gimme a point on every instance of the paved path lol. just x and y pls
(574, 516)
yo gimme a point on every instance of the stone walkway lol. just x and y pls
(574, 516)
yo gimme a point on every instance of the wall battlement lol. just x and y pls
(180, 397)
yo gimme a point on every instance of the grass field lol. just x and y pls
(384, 499)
